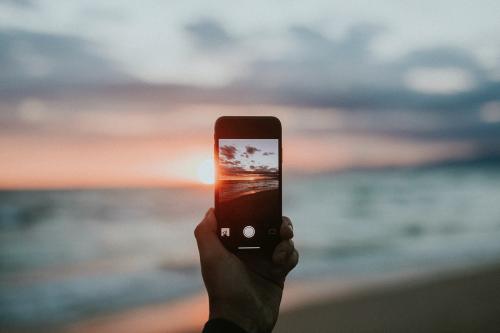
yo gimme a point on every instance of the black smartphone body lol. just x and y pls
(248, 188)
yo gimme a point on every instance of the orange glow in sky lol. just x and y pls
(49, 162)
(176, 149)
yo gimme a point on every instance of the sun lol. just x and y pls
(206, 172)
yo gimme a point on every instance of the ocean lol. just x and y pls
(70, 255)
(247, 184)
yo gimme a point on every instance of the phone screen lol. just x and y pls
(249, 193)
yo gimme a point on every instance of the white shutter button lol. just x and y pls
(248, 231)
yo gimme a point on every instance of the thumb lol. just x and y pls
(209, 245)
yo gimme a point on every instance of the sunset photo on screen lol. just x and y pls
(247, 166)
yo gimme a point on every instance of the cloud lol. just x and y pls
(490, 112)
(23, 4)
(231, 168)
(228, 152)
(370, 95)
(439, 80)
(32, 58)
(264, 168)
(99, 14)
(320, 71)
(251, 150)
(208, 34)
(444, 86)
(320, 64)
(231, 164)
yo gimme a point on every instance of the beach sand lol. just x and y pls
(465, 300)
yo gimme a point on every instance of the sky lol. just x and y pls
(249, 154)
(125, 93)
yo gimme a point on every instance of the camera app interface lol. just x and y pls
(248, 187)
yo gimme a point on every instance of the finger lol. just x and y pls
(209, 245)
(282, 251)
(291, 262)
(280, 271)
(286, 229)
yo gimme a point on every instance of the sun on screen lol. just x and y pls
(206, 172)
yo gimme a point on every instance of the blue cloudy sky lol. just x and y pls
(375, 83)
(249, 154)
(202, 43)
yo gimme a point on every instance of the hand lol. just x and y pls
(246, 293)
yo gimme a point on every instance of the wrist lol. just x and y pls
(241, 317)
(220, 325)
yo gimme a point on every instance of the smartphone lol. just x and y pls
(248, 188)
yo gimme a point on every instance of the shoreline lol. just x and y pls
(248, 193)
(452, 300)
